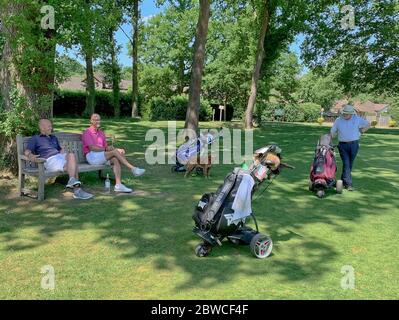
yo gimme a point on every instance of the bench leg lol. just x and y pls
(40, 190)
(21, 183)
(41, 180)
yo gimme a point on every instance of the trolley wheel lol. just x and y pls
(340, 186)
(261, 246)
(202, 250)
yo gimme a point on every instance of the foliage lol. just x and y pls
(67, 67)
(320, 89)
(373, 123)
(311, 111)
(320, 120)
(174, 108)
(231, 47)
(22, 118)
(166, 43)
(364, 54)
(392, 123)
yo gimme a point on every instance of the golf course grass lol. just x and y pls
(141, 246)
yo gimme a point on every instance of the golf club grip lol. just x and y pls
(285, 165)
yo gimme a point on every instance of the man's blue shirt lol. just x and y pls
(44, 146)
(349, 130)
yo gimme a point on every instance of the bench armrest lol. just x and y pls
(37, 160)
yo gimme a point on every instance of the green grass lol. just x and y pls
(142, 247)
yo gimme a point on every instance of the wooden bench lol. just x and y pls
(71, 142)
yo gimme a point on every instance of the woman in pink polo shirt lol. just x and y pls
(98, 152)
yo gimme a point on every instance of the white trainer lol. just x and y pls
(137, 172)
(122, 188)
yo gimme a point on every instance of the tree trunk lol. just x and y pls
(193, 107)
(90, 87)
(135, 84)
(31, 79)
(180, 85)
(258, 64)
(115, 76)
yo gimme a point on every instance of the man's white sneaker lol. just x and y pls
(137, 172)
(122, 188)
(80, 194)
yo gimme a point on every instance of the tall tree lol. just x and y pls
(135, 44)
(285, 20)
(265, 16)
(192, 116)
(362, 38)
(27, 71)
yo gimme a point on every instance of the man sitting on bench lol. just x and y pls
(45, 145)
(98, 152)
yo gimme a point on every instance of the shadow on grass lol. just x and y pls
(159, 224)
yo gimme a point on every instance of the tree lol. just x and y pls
(135, 44)
(265, 16)
(320, 89)
(193, 107)
(366, 47)
(284, 21)
(27, 71)
(167, 43)
(231, 48)
(67, 67)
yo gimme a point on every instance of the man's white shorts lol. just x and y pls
(96, 158)
(56, 163)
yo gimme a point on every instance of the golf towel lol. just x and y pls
(242, 202)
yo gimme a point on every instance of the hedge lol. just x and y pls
(305, 112)
(174, 108)
(72, 103)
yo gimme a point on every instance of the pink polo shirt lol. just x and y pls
(93, 137)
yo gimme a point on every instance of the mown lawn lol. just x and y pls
(141, 246)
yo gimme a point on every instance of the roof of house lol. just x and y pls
(366, 106)
(79, 83)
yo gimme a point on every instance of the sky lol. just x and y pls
(148, 9)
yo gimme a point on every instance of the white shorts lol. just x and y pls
(56, 162)
(96, 158)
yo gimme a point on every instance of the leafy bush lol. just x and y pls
(392, 123)
(320, 120)
(311, 111)
(282, 112)
(174, 108)
(21, 119)
(72, 103)
(373, 123)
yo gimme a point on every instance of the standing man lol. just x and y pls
(349, 128)
(98, 152)
(46, 146)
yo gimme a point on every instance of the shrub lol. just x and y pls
(174, 108)
(392, 123)
(320, 120)
(311, 111)
(373, 123)
(72, 103)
